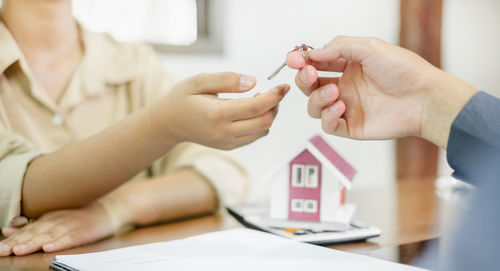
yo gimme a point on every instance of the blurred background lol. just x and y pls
(253, 37)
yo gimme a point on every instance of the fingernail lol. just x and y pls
(4, 250)
(327, 93)
(48, 247)
(19, 221)
(20, 249)
(246, 81)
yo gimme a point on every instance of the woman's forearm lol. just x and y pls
(82, 172)
(180, 194)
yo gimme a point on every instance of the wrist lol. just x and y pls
(116, 209)
(160, 127)
(446, 96)
(139, 199)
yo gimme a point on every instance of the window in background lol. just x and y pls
(171, 26)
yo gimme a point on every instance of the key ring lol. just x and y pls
(303, 49)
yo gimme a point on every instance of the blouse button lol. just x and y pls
(58, 120)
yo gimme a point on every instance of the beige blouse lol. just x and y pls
(112, 81)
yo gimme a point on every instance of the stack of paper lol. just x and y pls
(238, 249)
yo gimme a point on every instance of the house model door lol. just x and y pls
(305, 188)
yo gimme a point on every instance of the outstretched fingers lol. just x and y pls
(74, 238)
(37, 242)
(247, 108)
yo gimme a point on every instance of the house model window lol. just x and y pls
(298, 176)
(297, 205)
(310, 206)
(312, 177)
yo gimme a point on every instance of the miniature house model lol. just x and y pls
(311, 186)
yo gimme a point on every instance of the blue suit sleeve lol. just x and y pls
(474, 144)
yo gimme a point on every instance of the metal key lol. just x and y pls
(303, 48)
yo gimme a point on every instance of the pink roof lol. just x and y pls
(332, 156)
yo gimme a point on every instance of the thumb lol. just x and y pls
(348, 48)
(224, 82)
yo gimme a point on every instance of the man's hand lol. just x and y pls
(193, 112)
(58, 230)
(383, 92)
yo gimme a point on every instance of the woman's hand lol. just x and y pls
(384, 91)
(180, 194)
(193, 112)
(58, 230)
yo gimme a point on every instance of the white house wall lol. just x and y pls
(279, 194)
(330, 196)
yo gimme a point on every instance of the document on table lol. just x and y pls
(237, 249)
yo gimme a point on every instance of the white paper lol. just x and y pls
(237, 249)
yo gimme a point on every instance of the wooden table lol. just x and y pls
(407, 213)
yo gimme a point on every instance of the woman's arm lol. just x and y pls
(180, 194)
(78, 174)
